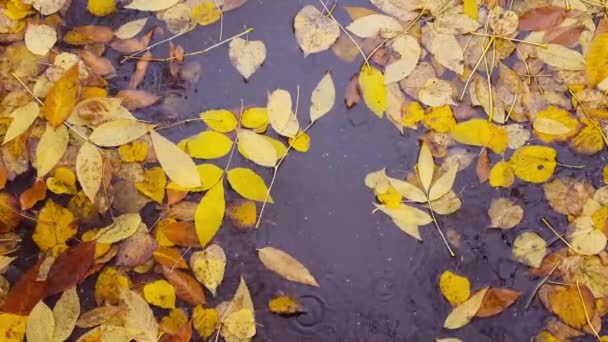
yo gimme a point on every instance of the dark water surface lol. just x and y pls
(377, 283)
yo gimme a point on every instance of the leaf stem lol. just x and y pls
(580, 295)
(544, 220)
(133, 55)
(537, 287)
(445, 241)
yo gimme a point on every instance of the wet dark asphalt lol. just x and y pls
(377, 284)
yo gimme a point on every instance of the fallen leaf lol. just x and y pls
(561, 57)
(140, 318)
(28, 199)
(282, 119)
(542, 18)
(153, 184)
(40, 324)
(62, 182)
(70, 267)
(51, 147)
(40, 39)
(483, 167)
(137, 249)
(247, 56)
(88, 34)
(25, 293)
(170, 257)
(496, 301)
(409, 52)
(209, 145)
(323, 98)
(284, 305)
(238, 316)
(352, 94)
(62, 97)
(373, 89)
(570, 305)
(208, 266)
(160, 293)
(501, 175)
(151, 5)
(534, 164)
(220, 120)
(314, 31)
(122, 228)
(175, 162)
(118, 132)
(256, 148)
(529, 249)
(110, 283)
(186, 287)
(136, 99)
(210, 214)
(286, 266)
(584, 237)
(89, 169)
(554, 124)
(137, 151)
(455, 23)
(249, 184)
(48, 7)
(463, 313)
(444, 48)
(504, 213)
(55, 226)
(206, 13)
(255, 118)
(180, 233)
(588, 141)
(12, 327)
(375, 25)
(596, 60)
(436, 93)
(205, 321)
(66, 313)
(173, 322)
(455, 288)
(242, 213)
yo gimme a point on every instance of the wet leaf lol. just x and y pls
(409, 51)
(436, 93)
(323, 98)
(463, 313)
(286, 266)
(153, 184)
(206, 13)
(282, 119)
(55, 226)
(160, 293)
(176, 163)
(62, 98)
(47, 7)
(255, 118)
(455, 288)
(208, 266)
(242, 213)
(479, 132)
(28, 199)
(374, 25)
(131, 28)
(504, 213)
(151, 5)
(12, 327)
(534, 164)
(62, 182)
(483, 167)
(585, 238)
(170, 257)
(596, 60)
(496, 301)
(445, 48)
(174, 321)
(501, 175)
(407, 215)
(352, 94)
(210, 214)
(249, 184)
(23, 118)
(238, 321)
(204, 320)
(66, 313)
(588, 141)
(123, 227)
(561, 57)
(180, 233)
(554, 124)
(140, 318)
(136, 99)
(284, 305)
(570, 306)
(186, 287)
(529, 249)
(89, 169)
(110, 283)
(40, 324)
(209, 145)
(247, 56)
(51, 147)
(71, 267)
(314, 31)
(542, 18)
(118, 132)
(371, 84)
(257, 148)
(137, 249)
(220, 120)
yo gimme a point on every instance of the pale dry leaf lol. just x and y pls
(40, 324)
(139, 318)
(119, 132)
(409, 53)
(97, 110)
(375, 25)
(517, 135)
(463, 313)
(410, 229)
(131, 28)
(23, 117)
(282, 119)
(257, 148)
(425, 166)
(504, 214)
(408, 190)
(444, 183)
(176, 163)
(123, 227)
(314, 31)
(406, 214)
(48, 7)
(584, 237)
(436, 93)
(394, 105)
(447, 204)
(550, 126)
(286, 266)
(51, 147)
(529, 249)
(151, 5)
(40, 39)
(402, 10)
(247, 55)
(208, 266)
(560, 57)
(323, 98)
(66, 313)
(89, 169)
(455, 23)
(444, 47)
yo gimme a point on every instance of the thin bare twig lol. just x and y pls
(537, 287)
(580, 294)
(544, 220)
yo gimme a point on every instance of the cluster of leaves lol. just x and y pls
(98, 165)
(512, 78)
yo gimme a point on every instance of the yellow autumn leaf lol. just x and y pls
(479, 132)
(596, 60)
(249, 184)
(242, 213)
(66, 312)
(284, 305)
(55, 226)
(589, 140)
(281, 117)
(470, 9)
(238, 325)
(100, 8)
(425, 166)
(176, 163)
(50, 149)
(501, 175)
(23, 117)
(255, 118)
(534, 164)
(455, 288)
(529, 249)
(412, 114)
(153, 184)
(572, 304)
(89, 169)
(206, 13)
(62, 182)
(323, 98)
(175, 320)
(463, 313)
(554, 124)
(278, 146)
(373, 89)
(286, 266)
(209, 213)
(440, 119)
(110, 283)
(220, 120)
(391, 198)
(301, 142)
(208, 266)
(123, 227)
(136, 151)
(204, 320)
(40, 324)
(209, 175)
(208, 145)
(12, 327)
(139, 319)
(118, 132)
(257, 148)
(160, 293)
(60, 101)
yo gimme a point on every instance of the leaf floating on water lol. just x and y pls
(55, 226)
(534, 164)
(284, 305)
(61, 99)
(529, 249)
(220, 120)
(496, 301)
(282, 119)
(131, 28)
(286, 266)
(247, 56)
(40, 39)
(464, 313)
(257, 148)
(186, 287)
(455, 288)
(242, 213)
(206, 13)
(570, 305)
(175, 162)
(208, 266)
(323, 98)
(314, 31)
(208, 145)
(123, 227)
(504, 214)
(596, 60)
(210, 214)
(151, 5)
(238, 316)
(140, 318)
(408, 49)
(373, 89)
(48, 7)
(52, 146)
(23, 118)
(248, 184)
(375, 25)
(444, 47)
(119, 132)
(561, 57)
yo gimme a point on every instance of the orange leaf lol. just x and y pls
(71, 267)
(184, 334)
(496, 301)
(175, 196)
(136, 99)
(9, 213)
(3, 175)
(170, 257)
(88, 34)
(186, 287)
(33, 195)
(181, 234)
(62, 98)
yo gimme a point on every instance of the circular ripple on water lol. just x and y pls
(384, 286)
(312, 323)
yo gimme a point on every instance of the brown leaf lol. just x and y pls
(181, 233)
(352, 94)
(170, 257)
(31, 196)
(3, 174)
(88, 34)
(483, 167)
(549, 263)
(99, 65)
(186, 287)
(182, 211)
(175, 196)
(136, 99)
(140, 70)
(542, 18)
(9, 213)
(62, 97)
(25, 293)
(71, 267)
(184, 334)
(561, 330)
(496, 301)
(132, 45)
(136, 250)
(567, 36)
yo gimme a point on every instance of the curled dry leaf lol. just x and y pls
(504, 214)
(314, 31)
(286, 266)
(247, 55)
